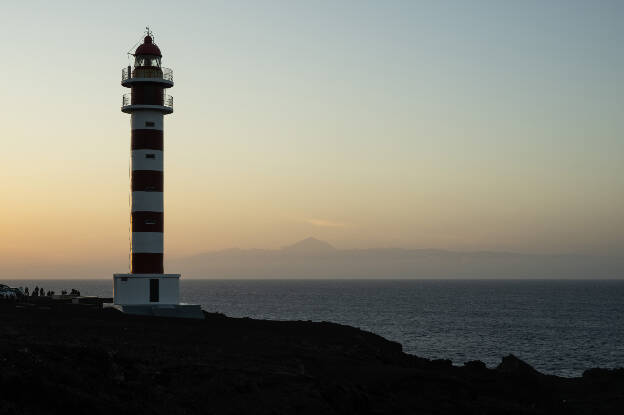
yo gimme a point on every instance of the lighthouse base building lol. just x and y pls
(152, 289)
(147, 289)
(152, 295)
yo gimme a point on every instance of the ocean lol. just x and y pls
(560, 327)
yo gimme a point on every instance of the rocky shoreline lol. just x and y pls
(58, 357)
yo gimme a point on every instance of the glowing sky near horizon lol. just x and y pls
(462, 125)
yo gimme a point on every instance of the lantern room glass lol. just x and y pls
(147, 61)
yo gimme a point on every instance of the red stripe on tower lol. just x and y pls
(147, 139)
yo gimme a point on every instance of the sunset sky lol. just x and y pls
(463, 125)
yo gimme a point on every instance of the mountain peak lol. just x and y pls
(309, 245)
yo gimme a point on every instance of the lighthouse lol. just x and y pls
(147, 289)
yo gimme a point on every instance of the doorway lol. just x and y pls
(154, 288)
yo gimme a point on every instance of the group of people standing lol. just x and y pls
(40, 292)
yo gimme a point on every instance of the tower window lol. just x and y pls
(150, 156)
(149, 123)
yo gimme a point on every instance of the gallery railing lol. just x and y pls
(127, 100)
(147, 72)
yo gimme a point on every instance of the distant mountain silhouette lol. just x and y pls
(309, 246)
(312, 258)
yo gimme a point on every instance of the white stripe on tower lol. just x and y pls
(147, 202)
(147, 119)
(147, 242)
(147, 160)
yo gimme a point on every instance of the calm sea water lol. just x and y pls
(559, 327)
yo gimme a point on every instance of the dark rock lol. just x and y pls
(598, 373)
(475, 365)
(442, 362)
(511, 364)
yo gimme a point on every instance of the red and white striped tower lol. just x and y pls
(147, 103)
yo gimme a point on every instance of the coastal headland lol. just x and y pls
(58, 357)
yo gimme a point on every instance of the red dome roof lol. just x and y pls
(148, 48)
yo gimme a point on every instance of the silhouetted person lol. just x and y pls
(64, 292)
(26, 292)
(35, 292)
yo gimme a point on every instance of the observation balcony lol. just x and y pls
(150, 74)
(130, 104)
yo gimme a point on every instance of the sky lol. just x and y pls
(462, 125)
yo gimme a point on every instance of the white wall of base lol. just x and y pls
(134, 289)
